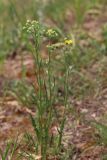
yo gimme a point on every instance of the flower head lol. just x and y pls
(68, 41)
(51, 33)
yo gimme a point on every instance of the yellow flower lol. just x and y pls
(68, 42)
(50, 31)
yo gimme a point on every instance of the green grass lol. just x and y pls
(9, 151)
